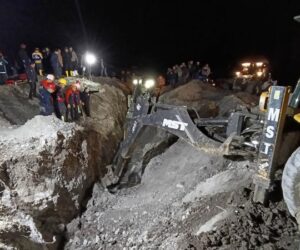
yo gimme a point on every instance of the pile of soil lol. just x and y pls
(250, 226)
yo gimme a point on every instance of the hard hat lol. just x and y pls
(62, 81)
(50, 77)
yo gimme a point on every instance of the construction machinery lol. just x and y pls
(291, 173)
(257, 69)
(244, 133)
(250, 76)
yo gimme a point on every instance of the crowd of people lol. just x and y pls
(58, 62)
(180, 74)
(67, 101)
(43, 62)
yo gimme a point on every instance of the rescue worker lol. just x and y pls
(59, 100)
(3, 69)
(67, 56)
(85, 100)
(74, 62)
(46, 89)
(72, 100)
(32, 79)
(37, 57)
(56, 66)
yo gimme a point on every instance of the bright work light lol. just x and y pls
(90, 58)
(149, 83)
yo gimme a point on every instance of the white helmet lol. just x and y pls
(50, 77)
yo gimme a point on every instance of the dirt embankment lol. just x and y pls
(48, 167)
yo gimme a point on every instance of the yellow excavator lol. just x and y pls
(291, 173)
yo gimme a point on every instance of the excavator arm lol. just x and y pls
(227, 140)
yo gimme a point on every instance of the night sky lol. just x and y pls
(155, 34)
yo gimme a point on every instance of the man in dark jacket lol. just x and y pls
(3, 69)
(67, 56)
(46, 60)
(85, 99)
(55, 64)
(32, 79)
(24, 58)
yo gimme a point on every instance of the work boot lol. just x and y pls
(67, 73)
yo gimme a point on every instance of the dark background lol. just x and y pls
(156, 34)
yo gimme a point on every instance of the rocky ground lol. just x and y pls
(51, 196)
(187, 200)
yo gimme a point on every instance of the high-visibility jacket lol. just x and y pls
(72, 97)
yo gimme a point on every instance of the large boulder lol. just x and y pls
(48, 168)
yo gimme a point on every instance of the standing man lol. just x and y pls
(46, 60)
(103, 68)
(3, 70)
(60, 59)
(32, 79)
(37, 57)
(56, 66)
(24, 58)
(205, 72)
(67, 62)
(74, 62)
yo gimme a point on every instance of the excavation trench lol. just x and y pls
(48, 167)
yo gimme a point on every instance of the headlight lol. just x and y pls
(135, 81)
(140, 81)
(246, 64)
(259, 73)
(259, 64)
(149, 83)
(238, 73)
